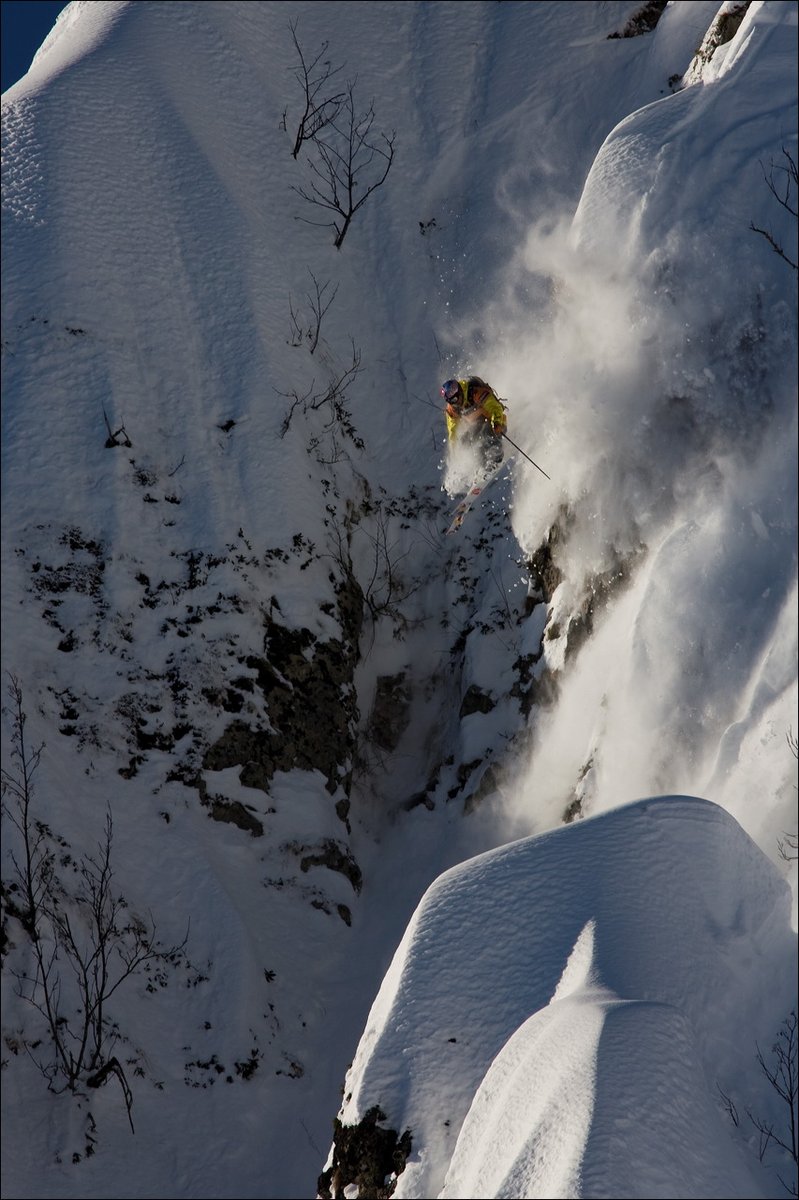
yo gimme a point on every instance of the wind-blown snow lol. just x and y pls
(644, 361)
(567, 219)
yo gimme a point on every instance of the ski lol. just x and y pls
(477, 489)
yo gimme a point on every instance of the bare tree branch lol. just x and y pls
(314, 77)
(118, 438)
(352, 163)
(319, 307)
(784, 192)
(85, 945)
(333, 399)
(781, 1072)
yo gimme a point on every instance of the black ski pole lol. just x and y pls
(527, 456)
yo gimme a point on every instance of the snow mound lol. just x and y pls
(559, 1011)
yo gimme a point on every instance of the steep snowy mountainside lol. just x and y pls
(158, 115)
(676, 329)
(154, 253)
(227, 597)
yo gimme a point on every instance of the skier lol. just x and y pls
(475, 417)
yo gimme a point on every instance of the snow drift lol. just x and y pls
(544, 1030)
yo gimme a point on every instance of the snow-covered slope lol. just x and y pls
(228, 602)
(543, 1032)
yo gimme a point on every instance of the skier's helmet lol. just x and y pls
(451, 391)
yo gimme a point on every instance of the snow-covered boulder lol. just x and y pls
(563, 1014)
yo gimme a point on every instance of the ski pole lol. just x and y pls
(527, 456)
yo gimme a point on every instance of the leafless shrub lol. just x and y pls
(85, 945)
(117, 437)
(308, 329)
(351, 162)
(729, 1104)
(788, 846)
(781, 1072)
(36, 872)
(386, 587)
(331, 400)
(320, 105)
(377, 521)
(781, 181)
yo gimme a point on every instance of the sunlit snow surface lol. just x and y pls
(543, 1032)
(566, 220)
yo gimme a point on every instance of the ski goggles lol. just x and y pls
(451, 390)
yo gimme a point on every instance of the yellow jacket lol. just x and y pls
(482, 406)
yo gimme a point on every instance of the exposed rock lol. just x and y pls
(343, 810)
(598, 590)
(390, 711)
(544, 574)
(723, 29)
(573, 811)
(230, 812)
(487, 785)
(310, 697)
(365, 1156)
(643, 20)
(335, 857)
(233, 812)
(576, 809)
(419, 798)
(476, 700)
(350, 599)
(463, 773)
(529, 689)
